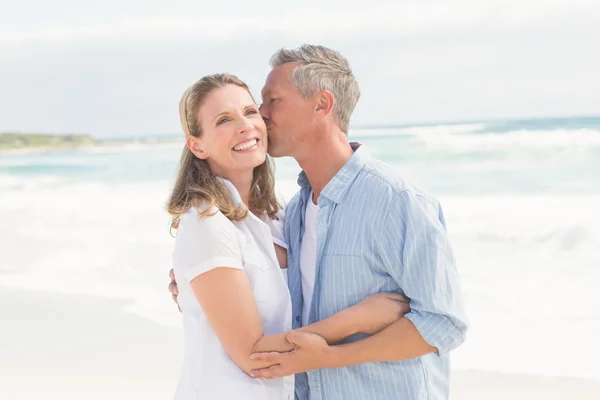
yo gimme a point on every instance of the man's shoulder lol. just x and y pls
(294, 202)
(383, 180)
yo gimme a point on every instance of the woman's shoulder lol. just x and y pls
(205, 216)
(206, 239)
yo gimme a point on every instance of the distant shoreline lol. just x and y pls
(16, 141)
(22, 143)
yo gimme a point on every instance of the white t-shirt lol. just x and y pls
(308, 256)
(202, 244)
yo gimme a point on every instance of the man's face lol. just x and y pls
(287, 115)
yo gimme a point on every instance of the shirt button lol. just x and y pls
(297, 318)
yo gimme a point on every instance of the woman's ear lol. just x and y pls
(195, 146)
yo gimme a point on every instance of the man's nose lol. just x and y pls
(264, 112)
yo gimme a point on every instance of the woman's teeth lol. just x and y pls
(245, 146)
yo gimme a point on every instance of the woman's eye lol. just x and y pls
(251, 111)
(222, 121)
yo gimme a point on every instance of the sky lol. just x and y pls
(118, 68)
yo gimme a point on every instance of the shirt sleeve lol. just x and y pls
(276, 226)
(422, 263)
(205, 243)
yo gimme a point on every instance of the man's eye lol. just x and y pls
(273, 99)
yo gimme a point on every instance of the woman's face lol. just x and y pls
(234, 136)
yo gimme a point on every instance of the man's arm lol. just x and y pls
(428, 273)
(417, 255)
(399, 341)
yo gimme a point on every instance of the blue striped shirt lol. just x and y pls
(378, 233)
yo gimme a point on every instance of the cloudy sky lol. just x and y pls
(116, 68)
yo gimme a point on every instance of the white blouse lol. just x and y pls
(205, 243)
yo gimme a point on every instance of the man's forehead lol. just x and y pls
(277, 77)
(266, 89)
(272, 78)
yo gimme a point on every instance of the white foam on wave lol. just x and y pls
(528, 139)
(11, 182)
(524, 219)
(93, 238)
(529, 270)
(115, 147)
(417, 130)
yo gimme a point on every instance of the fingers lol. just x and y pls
(271, 357)
(173, 285)
(397, 297)
(303, 340)
(173, 289)
(404, 309)
(274, 371)
(294, 337)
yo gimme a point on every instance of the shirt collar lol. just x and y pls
(235, 195)
(339, 184)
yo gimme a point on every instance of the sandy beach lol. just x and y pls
(58, 346)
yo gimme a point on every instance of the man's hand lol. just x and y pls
(311, 352)
(173, 288)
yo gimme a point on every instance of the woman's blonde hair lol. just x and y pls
(196, 184)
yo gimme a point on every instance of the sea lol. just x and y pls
(522, 206)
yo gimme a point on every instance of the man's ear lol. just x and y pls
(325, 102)
(195, 146)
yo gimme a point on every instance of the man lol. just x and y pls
(354, 229)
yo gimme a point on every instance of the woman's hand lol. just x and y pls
(378, 311)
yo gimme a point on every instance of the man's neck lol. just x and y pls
(325, 159)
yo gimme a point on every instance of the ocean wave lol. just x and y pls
(132, 147)
(526, 139)
(567, 224)
(12, 182)
(417, 130)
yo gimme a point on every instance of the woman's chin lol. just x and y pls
(251, 161)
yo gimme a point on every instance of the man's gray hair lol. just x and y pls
(320, 68)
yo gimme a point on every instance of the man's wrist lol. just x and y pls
(354, 318)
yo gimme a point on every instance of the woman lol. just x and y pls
(232, 292)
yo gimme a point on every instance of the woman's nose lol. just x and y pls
(246, 125)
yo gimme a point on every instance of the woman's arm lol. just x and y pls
(226, 298)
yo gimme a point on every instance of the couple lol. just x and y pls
(354, 244)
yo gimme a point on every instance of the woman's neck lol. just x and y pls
(243, 184)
